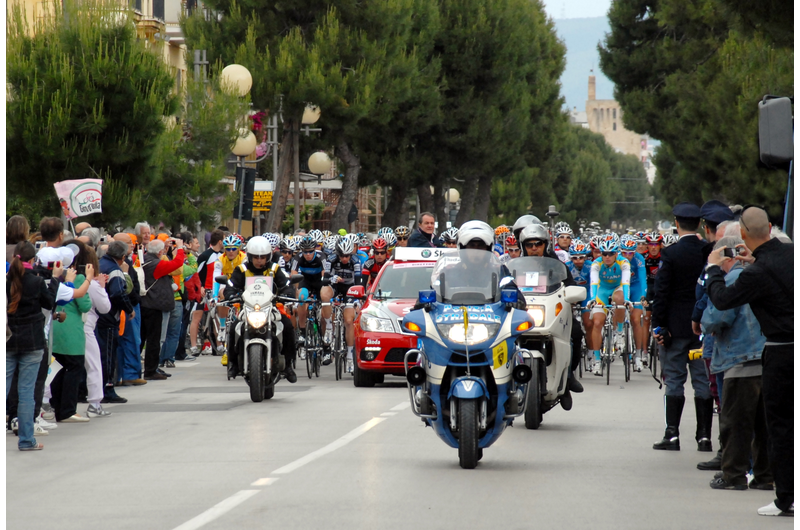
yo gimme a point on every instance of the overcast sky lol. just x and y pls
(559, 9)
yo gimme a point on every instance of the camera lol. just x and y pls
(729, 252)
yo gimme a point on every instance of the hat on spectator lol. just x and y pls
(716, 212)
(687, 210)
(63, 254)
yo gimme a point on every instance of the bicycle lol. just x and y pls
(313, 340)
(652, 355)
(608, 352)
(339, 344)
(209, 326)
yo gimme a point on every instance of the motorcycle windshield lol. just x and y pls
(469, 277)
(537, 275)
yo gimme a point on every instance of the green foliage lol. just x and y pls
(691, 75)
(308, 214)
(86, 101)
(191, 158)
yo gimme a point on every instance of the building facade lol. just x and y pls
(604, 116)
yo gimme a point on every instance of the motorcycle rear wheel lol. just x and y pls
(256, 376)
(533, 409)
(468, 434)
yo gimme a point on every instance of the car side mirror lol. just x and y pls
(356, 291)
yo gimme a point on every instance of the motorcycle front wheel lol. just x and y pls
(533, 409)
(468, 451)
(255, 368)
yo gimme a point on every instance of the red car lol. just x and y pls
(380, 345)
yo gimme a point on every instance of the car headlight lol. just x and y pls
(476, 333)
(256, 319)
(375, 324)
(537, 314)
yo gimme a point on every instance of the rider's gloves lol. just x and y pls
(334, 279)
(590, 304)
(303, 295)
(629, 305)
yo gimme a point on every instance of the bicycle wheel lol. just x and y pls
(626, 352)
(309, 349)
(609, 353)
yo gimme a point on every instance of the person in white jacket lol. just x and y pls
(94, 368)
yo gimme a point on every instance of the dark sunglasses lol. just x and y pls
(606, 254)
(287, 252)
(534, 244)
(309, 251)
(577, 258)
(513, 250)
(231, 249)
(402, 239)
(379, 253)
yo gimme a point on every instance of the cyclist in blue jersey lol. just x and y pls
(581, 272)
(629, 250)
(610, 278)
(312, 265)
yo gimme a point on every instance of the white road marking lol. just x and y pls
(402, 406)
(216, 511)
(264, 481)
(331, 447)
(388, 413)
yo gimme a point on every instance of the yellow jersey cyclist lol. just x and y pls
(610, 279)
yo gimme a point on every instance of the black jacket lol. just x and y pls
(27, 322)
(420, 239)
(681, 265)
(767, 285)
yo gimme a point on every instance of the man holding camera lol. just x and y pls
(681, 265)
(767, 285)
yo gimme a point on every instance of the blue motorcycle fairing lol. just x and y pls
(468, 387)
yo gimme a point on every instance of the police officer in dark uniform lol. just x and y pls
(681, 265)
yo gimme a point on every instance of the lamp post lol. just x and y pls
(236, 79)
(310, 116)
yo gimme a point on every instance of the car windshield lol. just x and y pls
(537, 274)
(469, 277)
(404, 280)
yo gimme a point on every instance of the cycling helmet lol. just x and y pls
(640, 237)
(511, 241)
(258, 246)
(385, 230)
(628, 243)
(379, 244)
(563, 229)
(402, 231)
(579, 248)
(308, 243)
(363, 241)
(609, 243)
(288, 244)
(670, 239)
(231, 241)
(317, 236)
(450, 235)
(390, 238)
(240, 238)
(326, 233)
(351, 238)
(594, 243)
(524, 221)
(502, 229)
(534, 231)
(344, 247)
(472, 230)
(330, 243)
(654, 237)
(274, 239)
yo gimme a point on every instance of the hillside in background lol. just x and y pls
(581, 36)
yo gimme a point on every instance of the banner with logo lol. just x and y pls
(80, 197)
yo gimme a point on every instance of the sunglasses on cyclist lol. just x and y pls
(513, 250)
(402, 239)
(534, 244)
(231, 249)
(309, 251)
(577, 258)
(286, 252)
(379, 252)
(607, 254)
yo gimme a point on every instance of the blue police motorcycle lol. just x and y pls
(467, 379)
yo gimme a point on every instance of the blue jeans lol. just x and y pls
(674, 361)
(129, 349)
(173, 333)
(28, 363)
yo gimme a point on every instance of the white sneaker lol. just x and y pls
(637, 364)
(619, 341)
(46, 424)
(349, 368)
(771, 509)
(96, 411)
(38, 430)
(597, 368)
(15, 426)
(194, 351)
(301, 352)
(47, 412)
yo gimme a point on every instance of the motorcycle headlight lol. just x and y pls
(476, 333)
(375, 324)
(256, 319)
(537, 314)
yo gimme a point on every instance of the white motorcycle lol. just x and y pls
(546, 346)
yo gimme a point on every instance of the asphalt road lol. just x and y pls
(194, 452)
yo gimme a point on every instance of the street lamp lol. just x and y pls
(310, 116)
(319, 163)
(235, 79)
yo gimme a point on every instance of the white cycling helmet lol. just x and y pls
(258, 246)
(472, 230)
